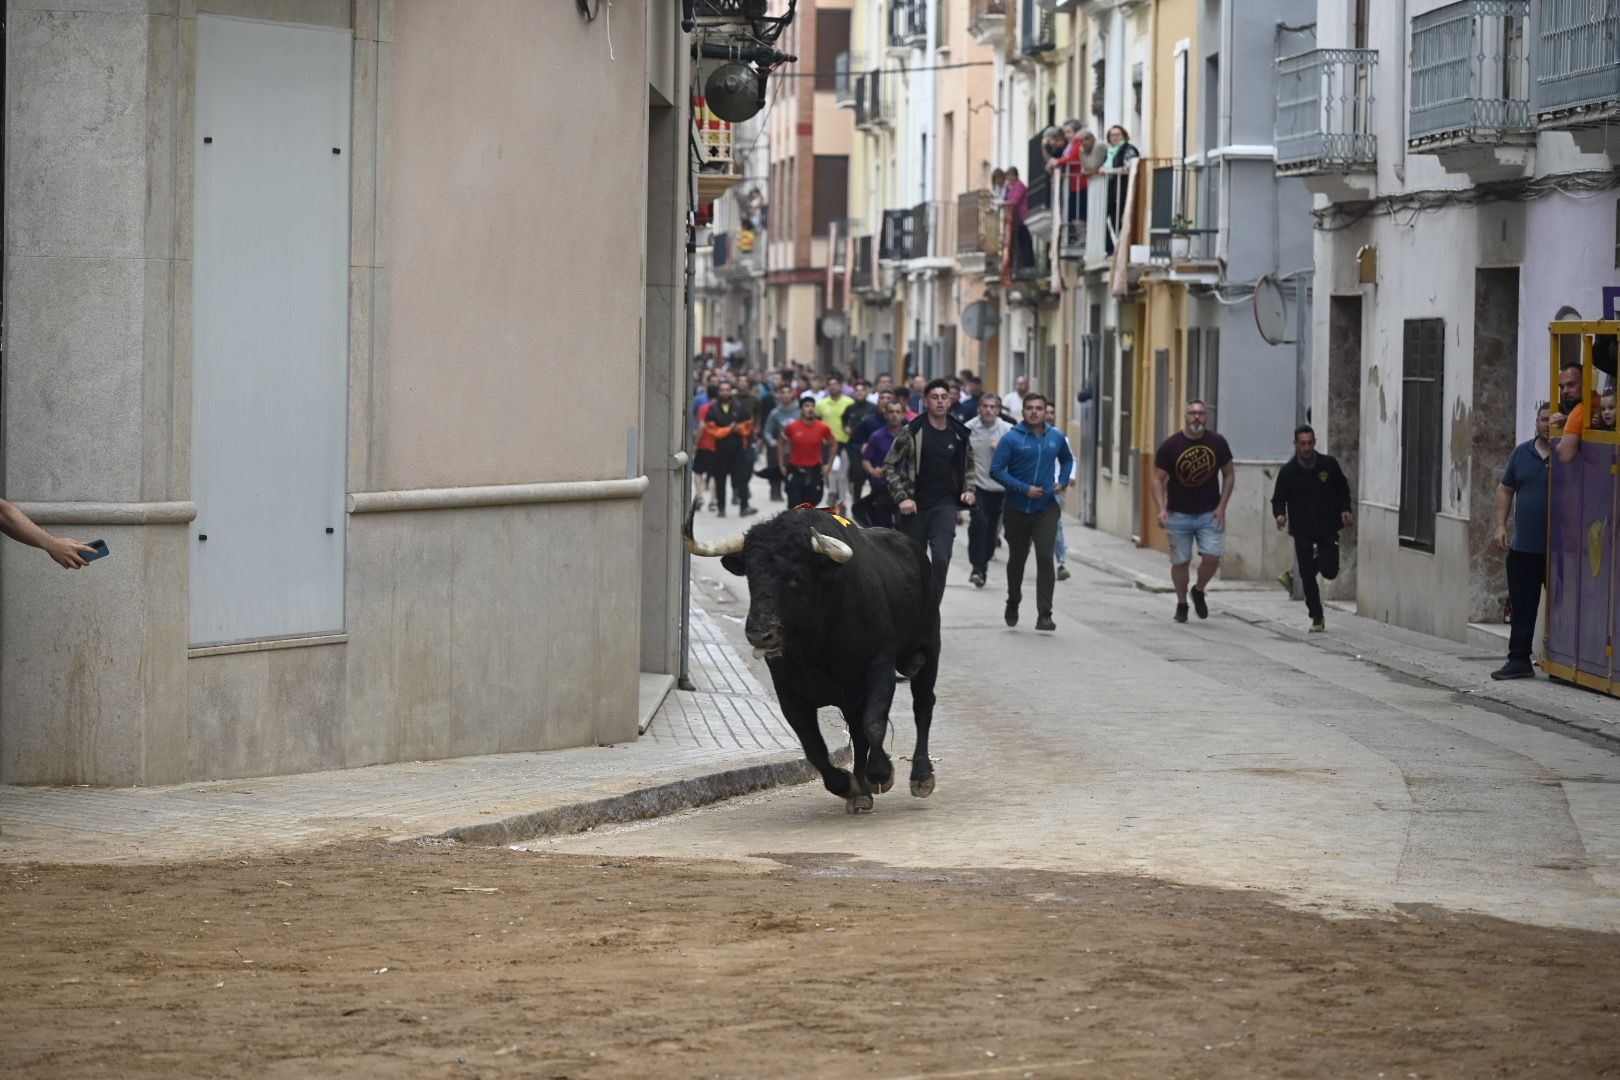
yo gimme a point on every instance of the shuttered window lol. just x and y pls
(1106, 401)
(1422, 420)
(1127, 379)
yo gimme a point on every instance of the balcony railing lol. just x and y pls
(1470, 73)
(872, 106)
(845, 66)
(1181, 212)
(908, 23)
(1037, 31)
(861, 274)
(978, 225)
(897, 242)
(933, 230)
(1577, 56)
(1324, 110)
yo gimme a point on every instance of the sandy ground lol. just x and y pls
(441, 960)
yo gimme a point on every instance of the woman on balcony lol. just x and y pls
(1118, 162)
(1081, 158)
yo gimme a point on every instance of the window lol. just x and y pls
(832, 38)
(1161, 395)
(1127, 373)
(1422, 380)
(831, 192)
(1105, 401)
(1204, 370)
(1099, 80)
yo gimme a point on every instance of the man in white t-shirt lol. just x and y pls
(1012, 402)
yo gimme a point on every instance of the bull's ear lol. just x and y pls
(734, 564)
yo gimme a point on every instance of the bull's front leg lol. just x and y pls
(800, 713)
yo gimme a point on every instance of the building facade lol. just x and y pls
(293, 298)
(1462, 157)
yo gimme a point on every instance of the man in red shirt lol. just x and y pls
(806, 452)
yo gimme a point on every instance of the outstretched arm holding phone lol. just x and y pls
(68, 553)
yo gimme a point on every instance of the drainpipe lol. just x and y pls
(683, 678)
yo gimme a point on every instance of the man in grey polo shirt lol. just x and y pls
(985, 431)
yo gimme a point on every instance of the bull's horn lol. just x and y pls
(836, 550)
(732, 545)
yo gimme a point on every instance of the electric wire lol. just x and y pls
(1337, 217)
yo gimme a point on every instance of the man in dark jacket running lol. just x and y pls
(930, 474)
(1312, 500)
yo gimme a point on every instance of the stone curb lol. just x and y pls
(639, 805)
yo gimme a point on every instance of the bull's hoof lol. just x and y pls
(880, 786)
(923, 788)
(858, 804)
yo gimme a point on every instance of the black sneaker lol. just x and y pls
(1514, 669)
(1181, 613)
(720, 512)
(747, 511)
(1199, 604)
(1045, 622)
(1012, 613)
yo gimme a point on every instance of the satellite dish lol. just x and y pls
(980, 321)
(833, 326)
(732, 92)
(1271, 312)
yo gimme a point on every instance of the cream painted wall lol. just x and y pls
(515, 217)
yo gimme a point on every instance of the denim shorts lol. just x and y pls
(1183, 527)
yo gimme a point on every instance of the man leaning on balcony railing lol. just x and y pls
(1080, 160)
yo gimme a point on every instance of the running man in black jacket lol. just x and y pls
(1312, 499)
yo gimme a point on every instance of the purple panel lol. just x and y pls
(1564, 555)
(1596, 566)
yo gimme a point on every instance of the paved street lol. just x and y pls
(1233, 752)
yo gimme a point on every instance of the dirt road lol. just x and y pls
(416, 960)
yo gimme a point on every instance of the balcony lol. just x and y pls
(1324, 121)
(987, 21)
(1181, 212)
(873, 110)
(897, 241)
(978, 232)
(717, 169)
(933, 236)
(863, 273)
(845, 79)
(908, 25)
(738, 255)
(1037, 30)
(1470, 98)
(1577, 69)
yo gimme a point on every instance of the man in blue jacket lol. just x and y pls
(1023, 465)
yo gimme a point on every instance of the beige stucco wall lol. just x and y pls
(515, 214)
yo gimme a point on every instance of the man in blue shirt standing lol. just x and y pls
(1023, 465)
(1524, 489)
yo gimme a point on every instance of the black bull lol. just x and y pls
(837, 611)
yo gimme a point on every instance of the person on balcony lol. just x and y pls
(1016, 197)
(1118, 161)
(1081, 158)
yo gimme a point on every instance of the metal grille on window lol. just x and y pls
(1422, 418)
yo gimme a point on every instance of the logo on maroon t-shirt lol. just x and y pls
(1195, 466)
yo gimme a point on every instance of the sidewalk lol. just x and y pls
(723, 739)
(1463, 667)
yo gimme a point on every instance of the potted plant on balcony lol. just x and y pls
(1180, 237)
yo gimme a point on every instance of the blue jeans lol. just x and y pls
(1182, 528)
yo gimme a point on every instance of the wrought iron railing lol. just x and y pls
(1324, 110)
(898, 239)
(908, 23)
(845, 66)
(978, 225)
(860, 274)
(1576, 53)
(872, 106)
(1037, 29)
(981, 9)
(1470, 72)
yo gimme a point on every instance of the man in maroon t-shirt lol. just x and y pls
(1192, 483)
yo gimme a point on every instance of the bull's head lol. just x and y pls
(781, 558)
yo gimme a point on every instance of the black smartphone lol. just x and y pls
(99, 550)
